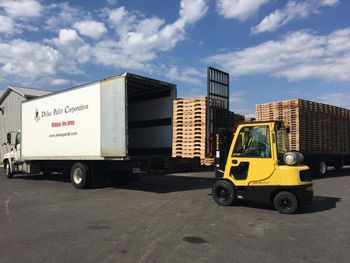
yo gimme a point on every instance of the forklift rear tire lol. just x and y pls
(80, 176)
(223, 193)
(285, 203)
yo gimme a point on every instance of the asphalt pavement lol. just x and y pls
(166, 218)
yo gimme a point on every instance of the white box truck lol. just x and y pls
(115, 124)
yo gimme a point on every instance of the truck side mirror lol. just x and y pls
(9, 138)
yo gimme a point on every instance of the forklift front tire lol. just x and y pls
(285, 202)
(223, 193)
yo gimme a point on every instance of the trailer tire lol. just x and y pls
(320, 168)
(285, 202)
(8, 172)
(80, 176)
(223, 193)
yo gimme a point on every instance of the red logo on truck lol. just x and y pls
(36, 115)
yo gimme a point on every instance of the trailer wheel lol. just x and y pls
(223, 193)
(80, 176)
(8, 172)
(285, 202)
(320, 168)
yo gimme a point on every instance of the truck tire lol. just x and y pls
(223, 193)
(285, 202)
(80, 176)
(8, 172)
(320, 168)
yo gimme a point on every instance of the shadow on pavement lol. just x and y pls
(169, 183)
(148, 183)
(320, 204)
(40, 177)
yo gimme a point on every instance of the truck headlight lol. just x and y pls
(293, 158)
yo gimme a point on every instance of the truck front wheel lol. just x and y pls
(8, 172)
(223, 193)
(80, 176)
(285, 203)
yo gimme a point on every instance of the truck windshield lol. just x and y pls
(18, 138)
(282, 141)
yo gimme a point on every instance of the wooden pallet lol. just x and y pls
(315, 127)
(189, 128)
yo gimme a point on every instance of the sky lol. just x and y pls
(273, 50)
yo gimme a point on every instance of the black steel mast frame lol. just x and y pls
(218, 102)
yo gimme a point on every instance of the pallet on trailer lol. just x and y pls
(315, 127)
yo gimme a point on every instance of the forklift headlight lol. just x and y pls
(293, 158)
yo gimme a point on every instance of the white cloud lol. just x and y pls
(192, 10)
(60, 82)
(73, 49)
(299, 55)
(27, 59)
(108, 53)
(140, 39)
(123, 20)
(147, 35)
(63, 15)
(186, 74)
(31, 61)
(137, 42)
(111, 2)
(337, 99)
(22, 8)
(91, 28)
(11, 27)
(239, 9)
(293, 10)
(6, 25)
(329, 2)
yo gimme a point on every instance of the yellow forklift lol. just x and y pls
(256, 165)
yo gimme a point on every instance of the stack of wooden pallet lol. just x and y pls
(189, 129)
(315, 127)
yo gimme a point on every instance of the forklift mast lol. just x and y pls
(223, 141)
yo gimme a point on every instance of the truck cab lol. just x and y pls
(258, 167)
(13, 157)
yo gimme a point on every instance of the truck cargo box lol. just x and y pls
(114, 118)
